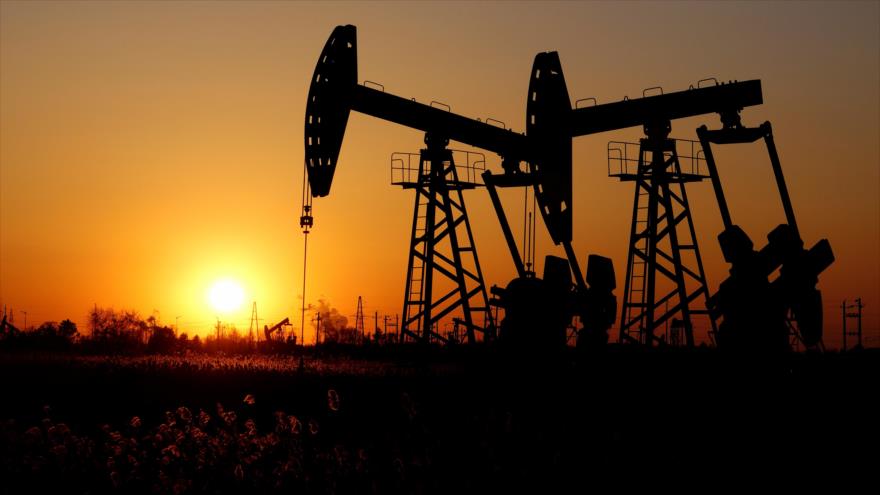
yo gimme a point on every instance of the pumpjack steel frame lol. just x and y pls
(655, 245)
(440, 215)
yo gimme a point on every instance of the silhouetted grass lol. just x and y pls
(429, 422)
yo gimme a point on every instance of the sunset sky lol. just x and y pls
(150, 149)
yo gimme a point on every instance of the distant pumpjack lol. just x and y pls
(269, 331)
(6, 327)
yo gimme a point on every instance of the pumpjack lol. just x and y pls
(442, 241)
(278, 327)
(440, 211)
(541, 159)
(6, 327)
(659, 208)
(755, 312)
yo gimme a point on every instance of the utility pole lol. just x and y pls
(302, 329)
(859, 305)
(857, 315)
(317, 327)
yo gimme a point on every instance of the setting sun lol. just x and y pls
(226, 296)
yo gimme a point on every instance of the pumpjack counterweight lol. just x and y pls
(758, 314)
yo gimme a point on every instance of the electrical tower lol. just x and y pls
(254, 325)
(359, 320)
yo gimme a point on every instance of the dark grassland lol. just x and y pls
(432, 421)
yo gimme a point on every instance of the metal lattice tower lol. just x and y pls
(664, 271)
(254, 325)
(359, 319)
(443, 274)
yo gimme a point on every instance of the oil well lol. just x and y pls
(769, 298)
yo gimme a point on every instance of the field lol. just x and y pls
(433, 421)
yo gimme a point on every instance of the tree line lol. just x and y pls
(127, 332)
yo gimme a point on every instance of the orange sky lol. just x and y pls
(149, 149)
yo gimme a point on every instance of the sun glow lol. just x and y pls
(226, 296)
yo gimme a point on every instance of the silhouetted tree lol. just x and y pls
(162, 340)
(67, 330)
(116, 331)
(48, 336)
(47, 331)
